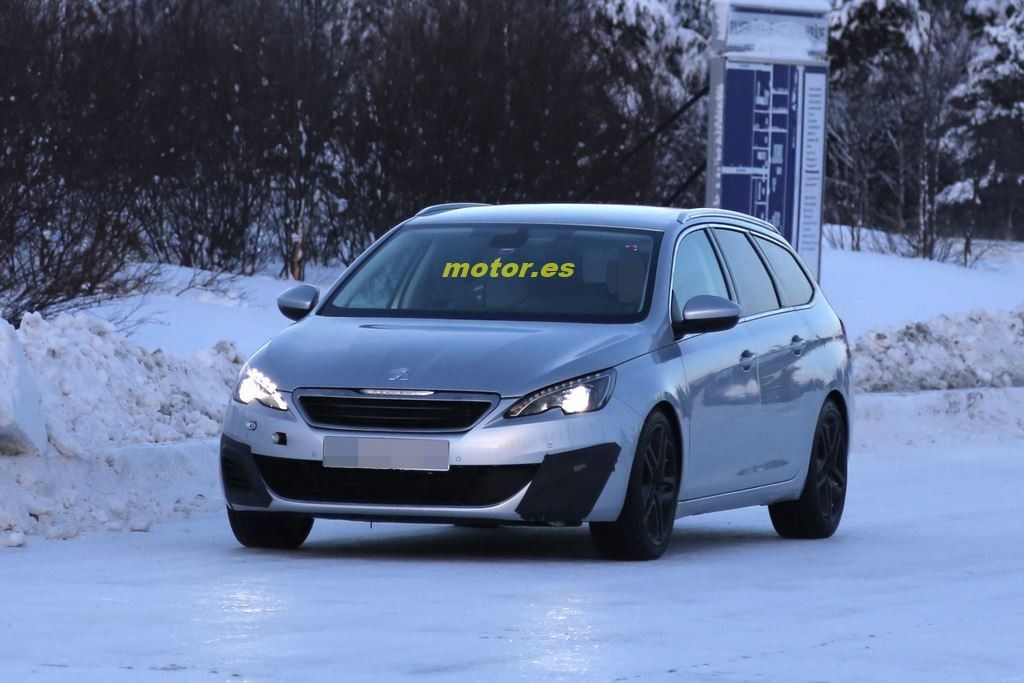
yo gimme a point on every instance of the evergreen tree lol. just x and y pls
(986, 142)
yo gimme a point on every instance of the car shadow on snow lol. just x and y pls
(447, 543)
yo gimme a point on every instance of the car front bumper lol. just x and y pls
(550, 469)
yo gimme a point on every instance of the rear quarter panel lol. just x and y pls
(827, 358)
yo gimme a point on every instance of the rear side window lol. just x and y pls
(696, 270)
(794, 283)
(753, 283)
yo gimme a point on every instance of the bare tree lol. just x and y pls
(67, 237)
(516, 103)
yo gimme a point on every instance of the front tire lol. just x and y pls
(269, 530)
(644, 527)
(816, 514)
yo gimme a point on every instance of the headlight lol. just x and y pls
(255, 386)
(580, 395)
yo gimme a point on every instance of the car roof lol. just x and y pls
(607, 215)
(610, 215)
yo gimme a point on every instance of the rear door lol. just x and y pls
(721, 377)
(790, 396)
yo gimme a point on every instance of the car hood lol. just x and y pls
(507, 358)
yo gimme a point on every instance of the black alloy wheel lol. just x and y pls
(660, 483)
(818, 511)
(644, 527)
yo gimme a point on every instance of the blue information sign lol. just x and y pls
(766, 133)
(772, 148)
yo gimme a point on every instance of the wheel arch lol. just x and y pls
(837, 396)
(670, 413)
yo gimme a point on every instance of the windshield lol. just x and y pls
(504, 272)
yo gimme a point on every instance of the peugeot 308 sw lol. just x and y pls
(620, 366)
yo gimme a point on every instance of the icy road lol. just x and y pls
(924, 581)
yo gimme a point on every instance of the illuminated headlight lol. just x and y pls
(580, 395)
(255, 386)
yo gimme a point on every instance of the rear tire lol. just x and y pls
(644, 527)
(269, 530)
(816, 514)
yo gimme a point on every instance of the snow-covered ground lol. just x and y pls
(186, 312)
(873, 291)
(923, 582)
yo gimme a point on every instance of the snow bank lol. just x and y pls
(979, 349)
(22, 428)
(100, 389)
(114, 436)
(113, 489)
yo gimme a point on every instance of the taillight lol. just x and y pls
(846, 340)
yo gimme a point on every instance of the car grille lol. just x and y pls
(470, 485)
(392, 413)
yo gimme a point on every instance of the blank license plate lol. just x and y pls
(385, 454)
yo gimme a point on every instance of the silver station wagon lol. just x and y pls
(620, 366)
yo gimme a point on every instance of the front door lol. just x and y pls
(767, 457)
(721, 379)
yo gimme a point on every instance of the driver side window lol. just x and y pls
(697, 270)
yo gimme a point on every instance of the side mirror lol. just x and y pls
(297, 302)
(704, 313)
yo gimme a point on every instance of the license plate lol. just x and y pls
(385, 454)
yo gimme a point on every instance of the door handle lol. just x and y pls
(747, 359)
(797, 344)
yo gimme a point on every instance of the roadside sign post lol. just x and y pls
(767, 109)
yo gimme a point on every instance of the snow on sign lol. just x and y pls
(766, 145)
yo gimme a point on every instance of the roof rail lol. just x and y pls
(726, 213)
(441, 208)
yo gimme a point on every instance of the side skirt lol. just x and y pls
(759, 495)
